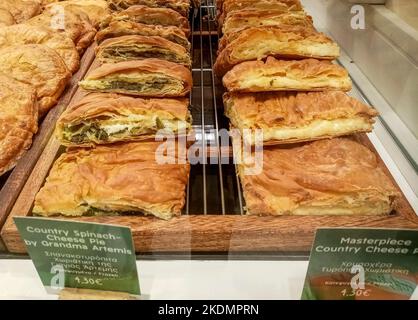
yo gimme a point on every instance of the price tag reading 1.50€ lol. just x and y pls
(70, 254)
(362, 264)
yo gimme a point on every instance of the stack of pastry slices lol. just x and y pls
(281, 81)
(116, 161)
(40, 48)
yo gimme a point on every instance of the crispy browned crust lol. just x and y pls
(77, 26)
(305, 75)
(6, 18)
(21, 10)
(290, 43)
(243, 19)
(276, 110)
(124, 28)
(231, 6)
(39, 66)
(181, 6)
(97, 105)
(335, 176)
(179, 53)
(152, 16)
(27, 34)
(96, 10)
(119, 177)
(18, 120)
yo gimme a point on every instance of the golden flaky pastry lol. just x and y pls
(231, 6)
(289, 43)
(96, 10)
(285, 75)
(21, 10)
(287, 117)
(126, 28)
(102, 118)
(6, 18)
(136, 47)
(327, 177)
(26, 34)
(18, 120)
(115, 179)
(75, 25)
(152, 16)
(181, 6)
(240, 20)
(39, 66)
(148, 78)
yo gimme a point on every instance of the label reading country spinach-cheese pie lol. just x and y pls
(361, 264)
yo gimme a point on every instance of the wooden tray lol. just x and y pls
(10, 190)
(211, 233)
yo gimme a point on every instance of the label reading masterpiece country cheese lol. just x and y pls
(361, 264)
(69, 254)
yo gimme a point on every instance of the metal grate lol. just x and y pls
(213, 186)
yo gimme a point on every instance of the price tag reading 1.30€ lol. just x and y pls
(362, 264)
(69, 254)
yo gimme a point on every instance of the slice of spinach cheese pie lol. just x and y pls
(135, 47)
(102, 118)
(116, 179)
(147, 78)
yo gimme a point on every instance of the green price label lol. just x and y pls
(70, 254)
(362, 264)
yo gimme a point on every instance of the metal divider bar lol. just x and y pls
(204, 158)
(215, 108)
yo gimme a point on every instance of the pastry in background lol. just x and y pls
(27, 34)
(327, 177)
(6, 18)
(152, 16)
(289, 117)
(103, 118)
(147, 78)
(287, 75)
(287, 43)
(116, 179)
(231, 6)
(240, 20)
(136, 47)
(21, 10)
(181, 6)
(18, 120)
(38, 66)
(76, 26)
(96, 10)
(126, 28)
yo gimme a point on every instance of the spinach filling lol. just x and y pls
(86, 131)
(149, 53)
(156, 84)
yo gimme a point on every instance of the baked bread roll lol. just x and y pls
(289, 43)
(102, 118)
(75, 25)
(289, 117)
(126, 28)
(181, 6)
(291, 75)
(21, 10)
(38, 66)
(116, 179)
(326, 177)
(27, 34)
(147, 78)
(18, 120)
(126, 48)
(152, 16)
(6, 18)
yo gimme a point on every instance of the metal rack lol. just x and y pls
(214, 186)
